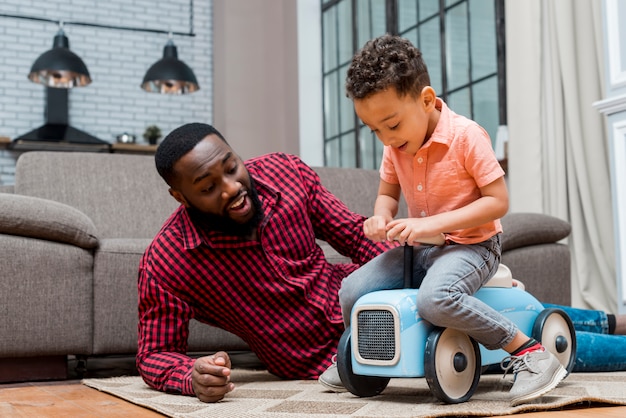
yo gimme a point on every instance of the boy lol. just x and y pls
(444, 165)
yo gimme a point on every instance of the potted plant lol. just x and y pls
(152, 134)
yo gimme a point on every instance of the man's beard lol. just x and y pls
(225, 224)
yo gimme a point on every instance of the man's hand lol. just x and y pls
(211, 377)
(375, 228)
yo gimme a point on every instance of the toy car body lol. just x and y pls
(388, 338)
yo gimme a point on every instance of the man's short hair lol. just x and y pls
(178, 143)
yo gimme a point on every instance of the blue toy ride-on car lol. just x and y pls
(387, 339)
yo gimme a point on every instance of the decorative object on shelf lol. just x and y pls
(59, 67)
(126, 138)
(169, 75)
(152, 134)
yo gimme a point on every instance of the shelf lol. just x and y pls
(119, 148)
(133, 148)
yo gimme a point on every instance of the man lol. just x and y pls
(240, 254)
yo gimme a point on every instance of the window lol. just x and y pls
(463, 45)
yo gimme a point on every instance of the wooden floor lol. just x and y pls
(70, 398)
(65, 400)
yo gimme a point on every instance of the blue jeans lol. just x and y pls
(451, 275)
(596, 351)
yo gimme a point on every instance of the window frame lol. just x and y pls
(391, 9)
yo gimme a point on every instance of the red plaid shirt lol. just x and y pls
(279, 294)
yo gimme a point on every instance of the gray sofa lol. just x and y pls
(74, 226)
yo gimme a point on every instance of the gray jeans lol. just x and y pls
(450, 275)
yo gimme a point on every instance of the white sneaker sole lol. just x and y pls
(556, 379)
(331, 387)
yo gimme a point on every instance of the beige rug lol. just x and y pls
(259, 394)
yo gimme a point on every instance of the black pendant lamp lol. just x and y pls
(59, 67)
(169, 75)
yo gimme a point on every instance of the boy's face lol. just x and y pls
(399, 122)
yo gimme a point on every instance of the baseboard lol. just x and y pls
(25, 369)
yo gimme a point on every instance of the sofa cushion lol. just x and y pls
(524, 229)
(122, 194)
(45, 219)
(45, 298)
(356, 187)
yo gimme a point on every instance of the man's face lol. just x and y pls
(215, 187)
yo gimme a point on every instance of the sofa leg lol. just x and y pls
(81, 366)
(25, 369)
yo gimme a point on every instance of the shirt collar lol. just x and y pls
(444, 131)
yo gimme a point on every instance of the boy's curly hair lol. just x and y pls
(388, 60)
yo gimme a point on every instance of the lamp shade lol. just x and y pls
(59, 67)
(169, 75)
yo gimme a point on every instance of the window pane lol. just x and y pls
(329, 29)
(457, 54)
(483, 38)
(407, 14)
(379, 152)
(332, 153)
(427, 8)
(411, 36)
(429, 43)
(348, 150)
(459, 102)
(379, 23)
(457, 47)
(371, 148)
(485, 97)
(367, 141)
(344, 22)
(371, 20)
(346, 105)
(331, 109)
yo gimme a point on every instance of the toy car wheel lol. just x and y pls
(451, 365)
(359, 385)
(554, 329)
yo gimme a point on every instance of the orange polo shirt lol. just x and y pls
(447, 172)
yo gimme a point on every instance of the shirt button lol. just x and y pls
(423, 214)
(420, 160)
(419, 187)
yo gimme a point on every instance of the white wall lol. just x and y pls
(256, 75)
(614, 107)
(310, 82)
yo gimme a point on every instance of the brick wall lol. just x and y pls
(117, 61)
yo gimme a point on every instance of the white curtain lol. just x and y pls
(557, 149)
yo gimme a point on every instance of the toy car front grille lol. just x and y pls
(376, 335)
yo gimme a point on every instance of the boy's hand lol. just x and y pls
(414, 230)
(375, 228)
(210, 377)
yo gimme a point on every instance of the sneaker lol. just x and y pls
(536, 373)
(330, 379)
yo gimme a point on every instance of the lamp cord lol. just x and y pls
(98, 25)
(190, 16)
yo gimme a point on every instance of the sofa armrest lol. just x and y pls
(525, 229)
(46, 219)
